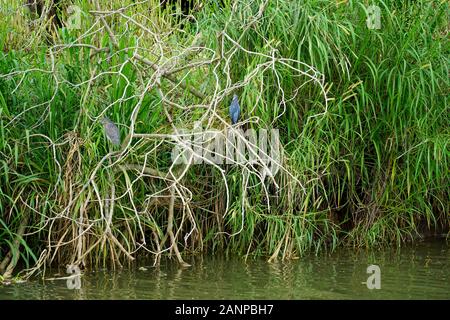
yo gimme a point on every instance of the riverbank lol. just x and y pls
(361, 112)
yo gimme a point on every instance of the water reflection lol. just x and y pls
(419, 271)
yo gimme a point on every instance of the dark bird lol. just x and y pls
(111, 130)
(235, 109)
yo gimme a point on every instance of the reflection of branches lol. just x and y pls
(86, 233)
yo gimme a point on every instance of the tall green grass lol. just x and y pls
(372, 160)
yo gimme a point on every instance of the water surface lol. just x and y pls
(419, 271)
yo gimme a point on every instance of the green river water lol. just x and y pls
(419, 271)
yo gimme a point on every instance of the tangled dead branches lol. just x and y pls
(187, 78)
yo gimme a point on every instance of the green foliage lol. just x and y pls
(372, 160)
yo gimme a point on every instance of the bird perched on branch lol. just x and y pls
(235, 109)
(111, 131)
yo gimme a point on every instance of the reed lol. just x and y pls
(362, 115)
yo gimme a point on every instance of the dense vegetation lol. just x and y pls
(362, 114)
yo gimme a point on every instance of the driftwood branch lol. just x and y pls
(10, 257)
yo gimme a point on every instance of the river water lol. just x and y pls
(419, 271)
